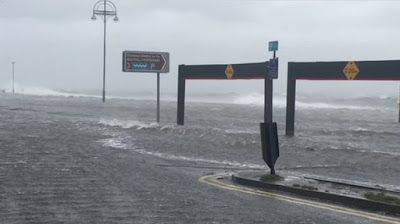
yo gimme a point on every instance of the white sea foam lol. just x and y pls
(280, 102)
(132, 124)
(196, 159)
(237, 131)
(386, 97)
(387, 153)
(40, 91)
(360, 129)
(314, 166)
(114, 143)
(380, 152)
(255, 99)
(119, 144)
(128, 123)
(332, 106)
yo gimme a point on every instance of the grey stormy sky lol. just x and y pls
(56, 45)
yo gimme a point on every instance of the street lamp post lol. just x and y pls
(13, 63)
(105, 9)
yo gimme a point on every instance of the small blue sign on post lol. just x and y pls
(273, 68)
(273, 46)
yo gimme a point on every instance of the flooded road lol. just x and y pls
(71, 160)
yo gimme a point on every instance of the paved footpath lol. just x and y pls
(58, 171)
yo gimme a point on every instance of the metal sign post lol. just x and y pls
(268, 129)
(398, 102)
(158, 97)
(268, 87)
(144, 61)
(13, 64)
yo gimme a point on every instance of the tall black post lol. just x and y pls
(268, 129)
(181, 97)
(398, 102)
(268, 88)
(104, 53)
(158, 97)
(268, 98)
(13, 63)
(290, 102)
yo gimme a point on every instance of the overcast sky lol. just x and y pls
(56, 45)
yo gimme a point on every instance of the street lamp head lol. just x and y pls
(105, 9)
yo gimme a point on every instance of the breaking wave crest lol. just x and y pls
(120, 144)
(280, 102)
(202, 160)
(41, 91)
(134, 124)
(395, 154)
(256, 99)
(114, 143)
(129, 124)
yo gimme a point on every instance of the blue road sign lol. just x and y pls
(273, 68)
(273, 46)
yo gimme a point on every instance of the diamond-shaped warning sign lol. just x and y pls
(229, 71)
(351, 70)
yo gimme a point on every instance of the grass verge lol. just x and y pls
(305, 187)
(381, 197)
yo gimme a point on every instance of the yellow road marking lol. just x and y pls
(213, 180)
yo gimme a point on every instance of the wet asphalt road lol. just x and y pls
(54, 170)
